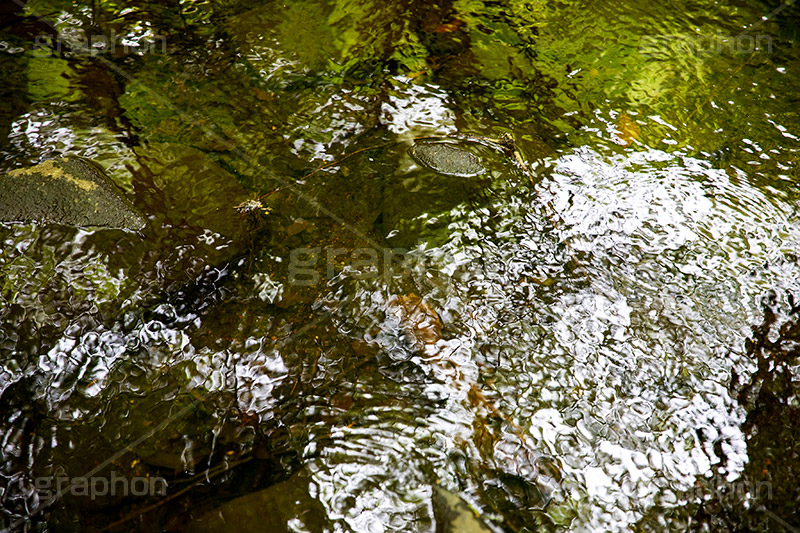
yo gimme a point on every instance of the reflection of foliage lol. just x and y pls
(503, 36)
(330, 42)
(48, 80)
(765, 497)
(359, 43)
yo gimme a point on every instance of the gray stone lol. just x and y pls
(447, 159)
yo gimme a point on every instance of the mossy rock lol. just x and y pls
(71, 191)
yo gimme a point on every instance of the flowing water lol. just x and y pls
(561, 340)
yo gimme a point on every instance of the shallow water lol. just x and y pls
(560, 340)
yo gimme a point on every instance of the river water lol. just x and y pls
(561, 341)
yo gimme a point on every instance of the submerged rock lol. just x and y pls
(70, 190)
(447, 159)
(453, 515)
(286, 506)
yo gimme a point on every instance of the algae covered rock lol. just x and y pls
(70, 190)
(447, 159)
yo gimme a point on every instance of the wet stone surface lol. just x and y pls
(447, 159)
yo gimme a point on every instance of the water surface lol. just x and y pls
(560, 340)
